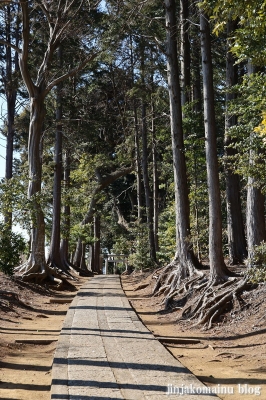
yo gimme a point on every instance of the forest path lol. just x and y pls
(105, 352)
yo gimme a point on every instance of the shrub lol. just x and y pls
(12, 245)
(257, 264)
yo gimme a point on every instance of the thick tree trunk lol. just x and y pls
(235, 224)
(37, 261)
(184, 253)
(218, 269)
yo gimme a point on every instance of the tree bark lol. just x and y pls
(185, 51)
(11, 97)
(235, 224)
(218, 269)
(155, 181)
(255, 217)
(184, 253)
(96, 267)
(37, 257)
(145, 172)
(138, 167)
(55, 255)
(255, 214)
(64, 246)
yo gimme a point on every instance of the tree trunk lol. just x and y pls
(255, 217)
(235, 224)
(55, 255)
(155, 181)
(64, 247)
(196, 65)
(37, 257)
(96, 267)
(11, 97)
(136, 138)
(184, 253)
(218, 269)
(256, 232)
(138, 168)
(185, 51)
(145, 171)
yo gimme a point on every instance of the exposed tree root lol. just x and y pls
(31, 271)
(169, 281)
(143, 286)
(201, 297)
(162, 276)
(38, 272)
(214, 308)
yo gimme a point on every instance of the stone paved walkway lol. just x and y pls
(105, 352)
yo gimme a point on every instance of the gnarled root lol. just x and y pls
(162, 276)
(212, 301)
(31, 271)
(218, 303)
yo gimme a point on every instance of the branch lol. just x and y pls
(67, 8)
(121, 220)
(110, 178)
(60, 32)
(106, 181)
(46, 13)
(17, 49)
(72, 72)
(68, 22)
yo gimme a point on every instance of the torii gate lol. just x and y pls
(114, 258)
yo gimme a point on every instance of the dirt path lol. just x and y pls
(231, 357)
(25, 368)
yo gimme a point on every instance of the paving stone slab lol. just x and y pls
(105, 352)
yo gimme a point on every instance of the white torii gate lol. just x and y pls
(115, 258)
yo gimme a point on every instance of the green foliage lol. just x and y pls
(123, 245)
(249, 38)
(140, 257)
(167, 234)
(13, 199)
(246, 135)
(257, 271)
(197, 176)
(12, 245)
